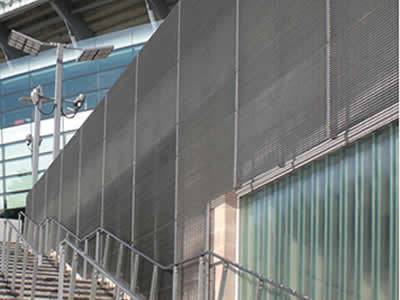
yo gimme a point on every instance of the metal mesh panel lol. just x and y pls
(155, 144)
(281, 82)
(38, 212)
(53, 188)
(206, 115)
(91, 173)
(70, 175)
(364, 60)
(118, 158)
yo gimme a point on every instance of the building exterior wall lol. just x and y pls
(224, 91)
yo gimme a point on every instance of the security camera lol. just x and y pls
(29, 139)
(78, 102)
(36, 95)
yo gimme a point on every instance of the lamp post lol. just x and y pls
(37, 99)
(33, 46)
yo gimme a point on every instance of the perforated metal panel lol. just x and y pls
(118, 156)
(39, 198)
(69, 201)
(91, 172)
(282, 86)
(206, 104)
(364, 60)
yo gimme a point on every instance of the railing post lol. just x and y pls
(40, 239)
(93, 286)
(223, 282)
(201, 280)
(259, 289)
(34, 277)
(135, 270)
(154, 284)
(3, 260)
(8, 248)
(46, 237)
(97, 250)
(86, 249)
(19, 222)
(14, 274)
(61, 268)
(106, 249)
(175, 283)
(72, 284)
(23, 275)
(117, 291)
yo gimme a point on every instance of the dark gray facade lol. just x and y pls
(223, 91)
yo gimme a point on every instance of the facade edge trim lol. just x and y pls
(351, 135)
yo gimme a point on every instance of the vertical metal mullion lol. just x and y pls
(103, 159)
(236, 105)
(58, 239)
(357, 210)
(78, 188)
(279, 236)
(373, 208)
(326, 229)
(379, 198)
(341, 222)
(313, 237)
(177, 251)
(346, 270)
(392, 216)
(3, 166)
(328, 69)
(361, 224)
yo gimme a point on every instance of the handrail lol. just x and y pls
(21, 236)
(170, 267)
(95, 265)
(100, 229)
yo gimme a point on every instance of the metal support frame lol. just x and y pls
(36, 144)
(93, 285)
(14, 271)
(24, 263)
(76, 26)
(175, 283)
(201, 279)
(160, 8)
(86, 250)
(58, 99)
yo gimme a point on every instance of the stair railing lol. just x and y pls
(204, 265)
(10, 260)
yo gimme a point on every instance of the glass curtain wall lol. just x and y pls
(329, 229)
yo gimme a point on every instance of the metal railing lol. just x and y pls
(100, 261)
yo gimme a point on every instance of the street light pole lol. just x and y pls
(36, 144)
(58, 101)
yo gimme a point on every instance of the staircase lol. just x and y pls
(46, 279)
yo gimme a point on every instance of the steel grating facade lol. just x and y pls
(224, 91)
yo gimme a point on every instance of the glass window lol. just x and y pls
(16, 200)
(42, 77)
(47, 144)
(75, 69)
(17, 117)
(14, 167)
(116, 59)
(79, 85)
(1, 202)
(329, 227)
(68, 136)
(45, 161)
(108, 78)
(18, 183)
(12, 102)
(14, 84)
(16, 150)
